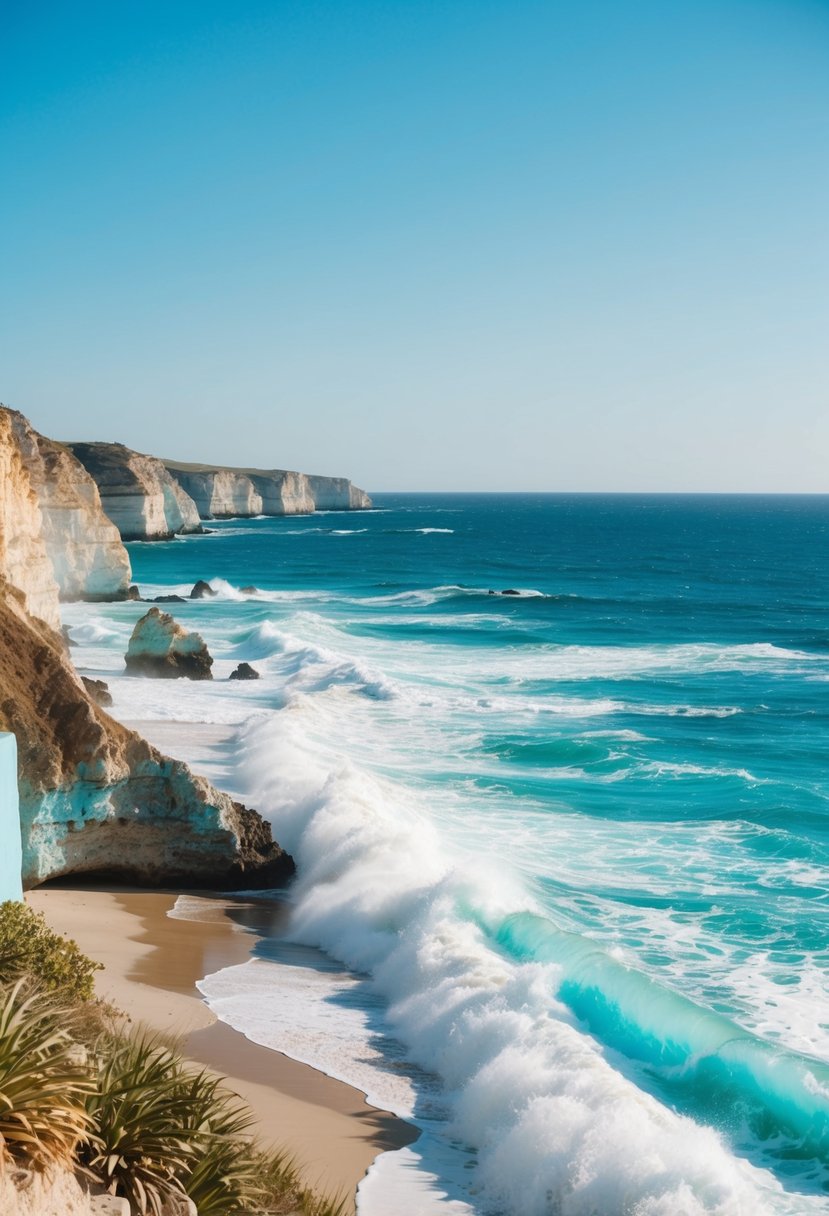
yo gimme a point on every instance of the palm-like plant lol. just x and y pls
(140, 1145)
(44, 1080)
(227, 1175)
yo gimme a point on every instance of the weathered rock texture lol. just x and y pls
(202, 591)
(337, 494)
(244, 672)
(24, 561)
(96, 798)
(223, 492)
(98, 691)
(137, 493)
(159, 646)
(88, 558)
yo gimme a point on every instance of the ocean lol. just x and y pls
(554, 771)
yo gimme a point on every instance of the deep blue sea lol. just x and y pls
(563, 891)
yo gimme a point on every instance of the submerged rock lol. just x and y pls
(202, 591)
(159, 646)
(249, 590)
(98, 691)
(510, 591)
(244, 672)
(169, 599)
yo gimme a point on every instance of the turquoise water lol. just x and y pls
(578, 835)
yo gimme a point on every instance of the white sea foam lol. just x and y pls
(391, 890)
(92, 633)
(554, 1123)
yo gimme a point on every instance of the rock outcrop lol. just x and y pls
(98, 691)
(202, 591)
(225, 492)
(159, 646)
(97, 799)
(244, 671)
(88, 558)
(24, 561)
(137, 493)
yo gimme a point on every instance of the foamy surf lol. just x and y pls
(531, 827)
(524, 1084)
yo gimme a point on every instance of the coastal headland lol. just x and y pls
(99, 804)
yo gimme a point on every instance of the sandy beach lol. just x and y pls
(151, 964)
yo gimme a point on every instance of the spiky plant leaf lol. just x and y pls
(44, 1080)
(140, 1146)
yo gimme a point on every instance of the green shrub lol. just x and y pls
(29, 947)
(137, 1118)
(45, 1080)
(138, 1146)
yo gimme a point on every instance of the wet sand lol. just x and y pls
(151, 965)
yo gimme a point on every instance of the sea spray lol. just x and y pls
(631, 758)
(531, 1091)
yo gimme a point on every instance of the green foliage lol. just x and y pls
(44, 1080)
(29, 947)
(138, 1146)
(135, 1116)
(160, 1127)
(225, 1175)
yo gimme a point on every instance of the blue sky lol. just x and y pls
(461, 245)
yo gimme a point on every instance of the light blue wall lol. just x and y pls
(10, 857)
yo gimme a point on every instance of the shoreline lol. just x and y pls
(151, 963)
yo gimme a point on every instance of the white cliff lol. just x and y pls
(224, 492)
(95, 798)
(218, 493)
(137, 493)
(88, 558)
(24, 561)
(337, 494)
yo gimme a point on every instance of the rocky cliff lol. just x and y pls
(84, 547)
(223, 491)
(24, 562)
(96, 798)
(337, 494)
(151, 499)
(137, 493)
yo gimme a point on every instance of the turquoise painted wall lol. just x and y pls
(10, 855)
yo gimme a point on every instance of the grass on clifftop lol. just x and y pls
(81, 1090)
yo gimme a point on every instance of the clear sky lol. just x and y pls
(428, 244)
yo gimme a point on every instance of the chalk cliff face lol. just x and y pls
(225, 492)
(151, 499)
(88, 558)
(137, 493)
(24, 561)
(96, 798)
(218, 493)
(337, 494)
